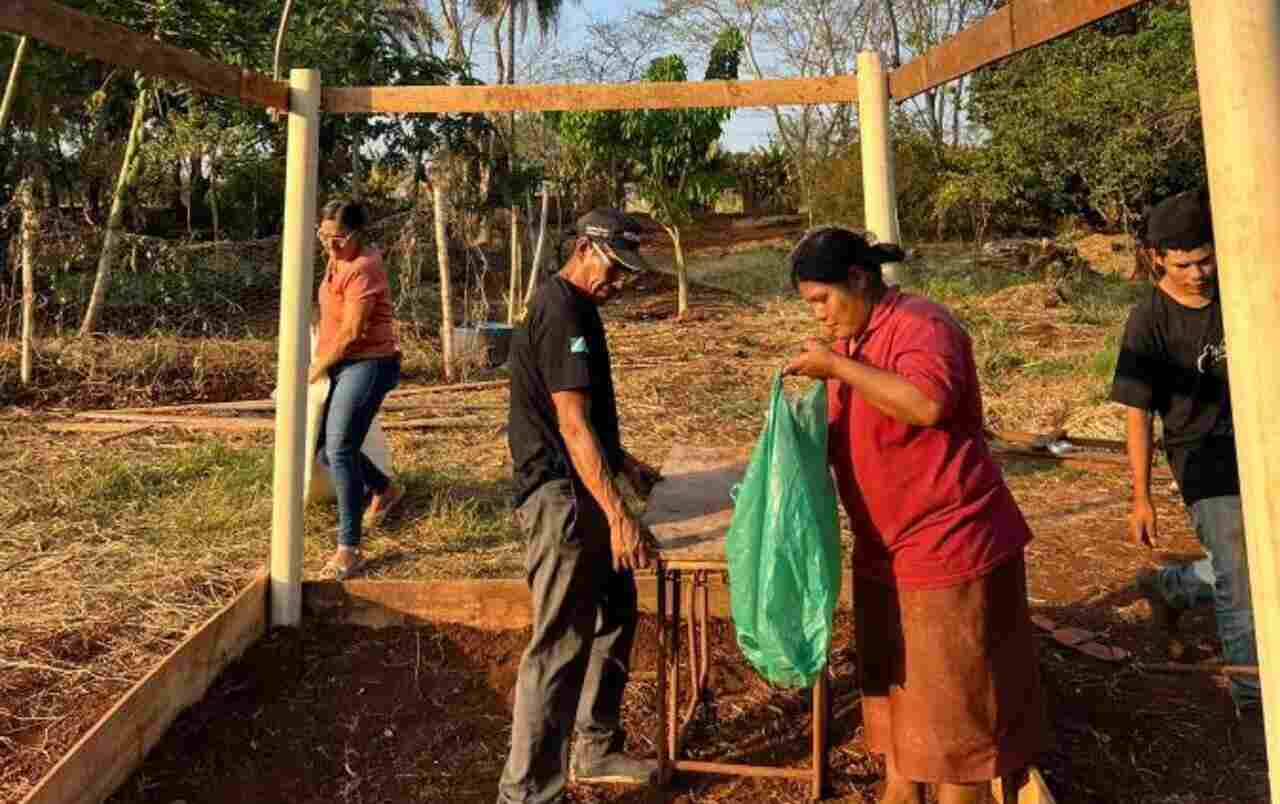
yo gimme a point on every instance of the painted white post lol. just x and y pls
(1238, 58)
(879, 189)
(299, 245)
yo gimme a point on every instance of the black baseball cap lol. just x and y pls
(1182, 223)
(617, 235)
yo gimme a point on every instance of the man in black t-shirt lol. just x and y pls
(1173, 363)
(583, 542)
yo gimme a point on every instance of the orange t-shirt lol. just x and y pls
(362, 278)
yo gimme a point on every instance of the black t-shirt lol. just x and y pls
(561, 347)
(1173, 361)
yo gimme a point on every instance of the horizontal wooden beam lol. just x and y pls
(1018, 26)
(77, 32)
(104, 758)
(591, 97)
(497, 604)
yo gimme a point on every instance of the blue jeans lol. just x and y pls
(1223, 580)
(355, 394)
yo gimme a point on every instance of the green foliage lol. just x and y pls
(764, 178)
(675, 149)
(671, 153)
(1099, 123)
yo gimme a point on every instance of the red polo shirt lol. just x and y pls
(928, 505)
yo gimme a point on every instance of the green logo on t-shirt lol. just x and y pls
(578, 346)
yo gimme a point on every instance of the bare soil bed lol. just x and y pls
(344, 713)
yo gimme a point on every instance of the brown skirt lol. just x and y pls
(950, 678)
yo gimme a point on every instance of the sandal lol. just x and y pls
(340, 573)
(374, 517)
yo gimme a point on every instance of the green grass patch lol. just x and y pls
(235, 472)
(1053, 367)
(758, 274)
(951, 277)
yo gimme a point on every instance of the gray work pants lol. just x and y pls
(575, 668)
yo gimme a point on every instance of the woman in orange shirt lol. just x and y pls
(358, 352)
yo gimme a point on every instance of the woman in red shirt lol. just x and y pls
(357, 350)
(946, 653)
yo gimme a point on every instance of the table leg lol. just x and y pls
(673, 673)
(699, 622)
(821, 716)
(664, 760)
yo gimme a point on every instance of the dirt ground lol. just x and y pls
(113, 548)
(344, 713)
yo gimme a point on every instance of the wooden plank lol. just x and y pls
(118, 428)
(493, 604)
(690, 509)
(104, 758)
(228, 424)
(591, 97)
(252, 424)
(1018, 26)
(77, 32)
(498, 604)
(269, 405)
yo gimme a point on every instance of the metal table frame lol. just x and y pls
(672, 725)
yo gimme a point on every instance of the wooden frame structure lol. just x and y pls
(1241, 99)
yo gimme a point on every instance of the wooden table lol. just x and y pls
(689, 513)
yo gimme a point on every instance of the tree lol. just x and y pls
(115, 223)
(11, 88)
(1099, 123)
(676, 151)
(798, 38)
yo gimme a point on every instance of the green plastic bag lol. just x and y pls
(783, 544)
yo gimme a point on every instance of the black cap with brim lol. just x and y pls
(617, 236)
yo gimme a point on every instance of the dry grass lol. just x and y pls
(111, 553)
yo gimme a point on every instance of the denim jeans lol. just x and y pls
(356, 392)
(574, 671)
(1223, 580)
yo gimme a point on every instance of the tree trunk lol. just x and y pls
(128, 169)
(517, 268)
(11, 88)
(30, 231)
(535, 271)
(213, 198)
(453, 24)
(446, 290)
(897, 36)
(682, 274)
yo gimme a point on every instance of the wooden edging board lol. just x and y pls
(491, 604)
(77, 32)
(113, 749)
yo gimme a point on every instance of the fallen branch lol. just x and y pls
(1212, 668)
(269, 405)
(442, 423)
(216, 423)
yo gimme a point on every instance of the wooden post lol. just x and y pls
(879, 189)
(299, 248)
(30, 233)
(440, 212)
(1237, 46)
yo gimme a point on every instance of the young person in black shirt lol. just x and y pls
(583, 543)
(1173, 363)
